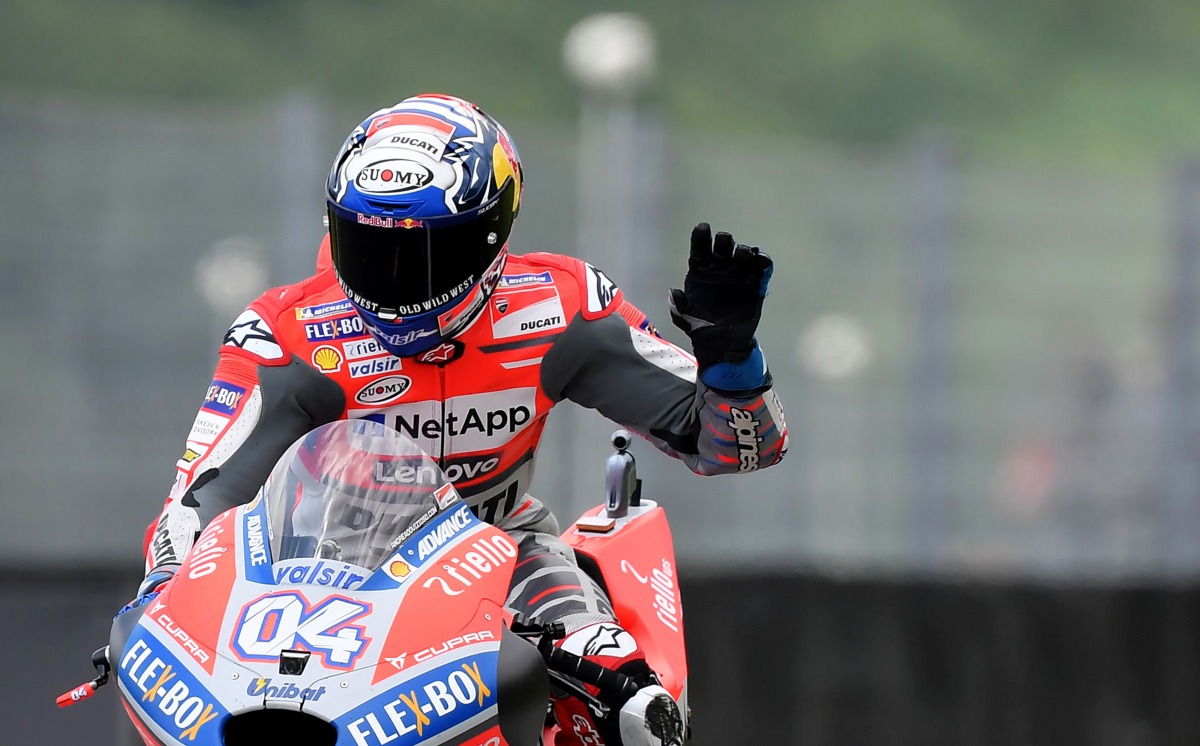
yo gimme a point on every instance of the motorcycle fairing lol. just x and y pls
(166, 695)
(454, 570)
(442, 594)
(209, 575)
(636, 559)
(445, 701)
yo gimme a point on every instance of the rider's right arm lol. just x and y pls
(261, 400)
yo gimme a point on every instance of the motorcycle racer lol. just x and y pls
(424, 321)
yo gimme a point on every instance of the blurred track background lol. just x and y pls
(983, 324)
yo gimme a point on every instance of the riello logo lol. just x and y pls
(383, 391)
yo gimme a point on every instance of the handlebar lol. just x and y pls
(615, 684)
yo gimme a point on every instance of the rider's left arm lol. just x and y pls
(618, 365)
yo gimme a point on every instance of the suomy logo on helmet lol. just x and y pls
(392, 176)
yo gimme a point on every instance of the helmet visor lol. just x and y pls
(403, 267)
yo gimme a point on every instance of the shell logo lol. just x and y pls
(327, 359)
(399, 569)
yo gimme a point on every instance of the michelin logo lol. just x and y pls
(515, 281)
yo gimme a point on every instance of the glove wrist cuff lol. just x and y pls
(749, 374)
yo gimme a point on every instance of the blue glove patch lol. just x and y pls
(747, 375)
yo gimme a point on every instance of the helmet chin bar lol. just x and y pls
(413, 335)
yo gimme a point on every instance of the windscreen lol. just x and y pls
(351, 491)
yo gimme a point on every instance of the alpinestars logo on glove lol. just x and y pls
(745, 428)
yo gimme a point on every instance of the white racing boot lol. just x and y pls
(651, 718)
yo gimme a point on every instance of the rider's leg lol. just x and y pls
(550, 586)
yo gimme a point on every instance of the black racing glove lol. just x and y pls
(719, 308)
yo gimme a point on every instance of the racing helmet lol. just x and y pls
(421, 199)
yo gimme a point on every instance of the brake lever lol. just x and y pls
(85, 691)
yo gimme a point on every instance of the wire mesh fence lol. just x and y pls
(988, 368)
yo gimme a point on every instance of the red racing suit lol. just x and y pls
(555, 328)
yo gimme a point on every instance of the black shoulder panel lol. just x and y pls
(295, 399)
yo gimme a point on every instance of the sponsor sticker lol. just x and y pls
(397, 570)
(223, 397)
(327, 359)
(459, 569)
(207, 427)
(383, 390)
(426, 705)
(309, 313)
(374, 366)
(413, 527)
(430, 535)
(536, 309)
(662, 582)
(393, 176)
(419, 141)
(195, 649)
(325, 572)
(190, 454)
(379, 222)
(329, 330)
(470, 638)
(446, 496)
(261, 687)
(208, 552)
(256, 544)
(363, 348)
(456, 469)
(169, 694)
(477, 422)
(445, 530)
(515, 281)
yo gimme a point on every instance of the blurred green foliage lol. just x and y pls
(1079, 80)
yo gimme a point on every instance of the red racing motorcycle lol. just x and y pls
(357, 601)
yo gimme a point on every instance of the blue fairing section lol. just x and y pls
(748, 375)
(424, 706)
(160, 688)
(256, 549)
(422, 544)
